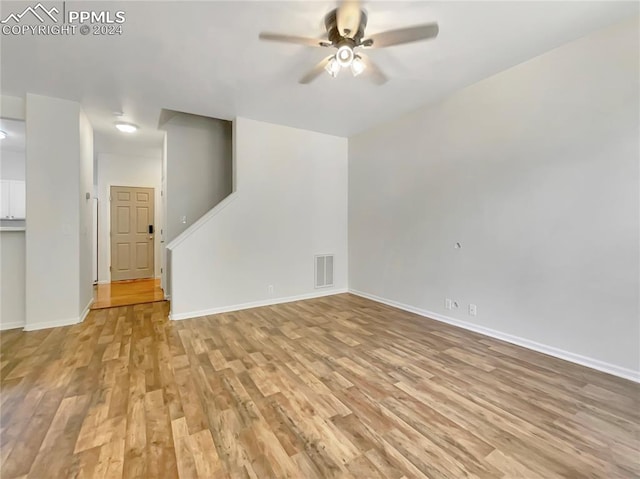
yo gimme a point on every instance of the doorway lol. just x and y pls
(132, 233)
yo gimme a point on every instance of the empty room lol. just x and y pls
(319, 239)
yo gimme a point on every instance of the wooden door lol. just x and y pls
(131, 233)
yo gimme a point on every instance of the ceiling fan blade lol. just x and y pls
(348, 18)
(374, 72)
(315, 71)
(310, 42)
(402, 35)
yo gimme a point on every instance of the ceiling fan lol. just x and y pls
(346, 32)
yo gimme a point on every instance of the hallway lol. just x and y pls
(125, 293)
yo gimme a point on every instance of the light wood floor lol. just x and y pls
(124, 293)
(331, 387)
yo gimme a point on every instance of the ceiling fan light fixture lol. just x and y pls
(357, 66)
(333, 67)
(345, 55)
(346, 32)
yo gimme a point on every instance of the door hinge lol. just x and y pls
(161, 271)
(109, 269)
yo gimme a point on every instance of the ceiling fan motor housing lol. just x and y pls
(336, 39)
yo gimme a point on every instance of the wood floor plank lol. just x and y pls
(130, 292)
(332, 387)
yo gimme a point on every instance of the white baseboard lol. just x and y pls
(85, 311)
(525, 343)
(60, 322)
(255, 304)
(11, 325)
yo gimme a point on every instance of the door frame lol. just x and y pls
(158, 218)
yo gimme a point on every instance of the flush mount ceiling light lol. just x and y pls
(126, 127)
(3, 135)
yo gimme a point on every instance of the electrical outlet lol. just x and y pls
(473, 310)
(447, 303)
(270, 289)
(183, 220)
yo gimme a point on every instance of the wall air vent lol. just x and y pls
(324, 270)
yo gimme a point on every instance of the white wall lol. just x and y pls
(12, 107)
(290, 204)
(535, 172)
(119, 170)
(12, 164)
(12, 279)
(12, 243)
(86, 213)
(52, 237)
(164, 260)
(198, 168)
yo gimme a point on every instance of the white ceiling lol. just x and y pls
(205, 58)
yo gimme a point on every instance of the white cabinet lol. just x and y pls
(5, 199)
(12, 200)
(18, 201)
